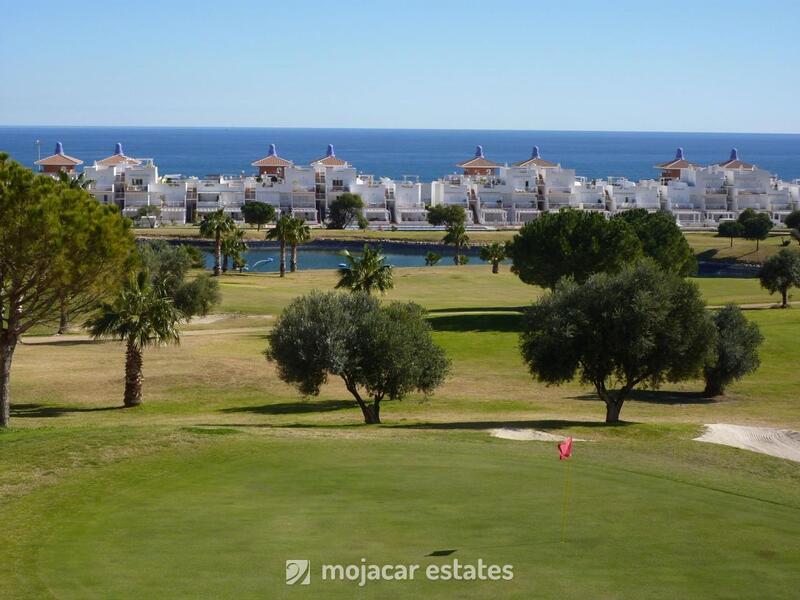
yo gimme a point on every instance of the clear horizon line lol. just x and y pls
(671, 131)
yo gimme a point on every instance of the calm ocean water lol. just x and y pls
(395, 152)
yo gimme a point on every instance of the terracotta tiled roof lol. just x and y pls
(536, 161)
(118, 159)
(272, 159)
(679, 162)
(330, 159)
(478, 161)
(734, 163)
(676, 164)
(59, 159)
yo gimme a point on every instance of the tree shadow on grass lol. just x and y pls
(482, 309)
(293, 408)
(31, 341)
(43, 410)
(658, 397)
(542, 424)
(708, 254)
(478, 322)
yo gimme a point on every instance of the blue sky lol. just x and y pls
(668, 66)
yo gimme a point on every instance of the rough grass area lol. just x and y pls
(224, 473)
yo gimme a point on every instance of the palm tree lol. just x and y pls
(215, 225)
(75, 183)
(366, 273)
(142, 315)
(282, 232)
(233, 246)
(299, 233)
(493, 253)
(457, 237)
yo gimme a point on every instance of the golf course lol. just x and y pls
(224, 472)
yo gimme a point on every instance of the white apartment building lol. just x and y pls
(491, 194)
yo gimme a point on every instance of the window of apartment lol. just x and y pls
(338, 183)
(137, 181)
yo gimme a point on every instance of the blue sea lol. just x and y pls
(426, 153)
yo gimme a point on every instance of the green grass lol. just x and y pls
(225, 472)
(218, 518)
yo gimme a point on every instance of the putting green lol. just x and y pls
(219, 518)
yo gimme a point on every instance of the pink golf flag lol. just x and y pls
(565, 449)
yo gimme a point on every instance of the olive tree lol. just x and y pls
(640, 326)
(379, 352)
(781, 272)
(58, 246)
(735, 353)
(168, 267)
(571, 243)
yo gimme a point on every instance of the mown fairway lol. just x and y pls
(225, 472)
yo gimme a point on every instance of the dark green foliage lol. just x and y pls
(59, 248)
(165, 263)
(233, 248)
(735, 353)
(366, 273)
(730, 229)
(755, 226)
(378, 351)
(168, 266)
(447, 215)
(258, 213)
(640, 326)
(493, 253)
(198, 296)
(780, 273)
(662, 240)
(198, 256)
(457, 237)
(346, 210)
(431, 258)
(215, 225)
(141, 315)
(792, 220)
(574, 244)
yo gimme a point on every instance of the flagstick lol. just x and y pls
(566, 502)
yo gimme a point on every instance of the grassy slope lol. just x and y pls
(102, 502)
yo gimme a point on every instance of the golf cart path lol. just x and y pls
(756, 305)
(54, 339)
(782, 443)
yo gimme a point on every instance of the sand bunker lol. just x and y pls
(526, 435)
(783, 443)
